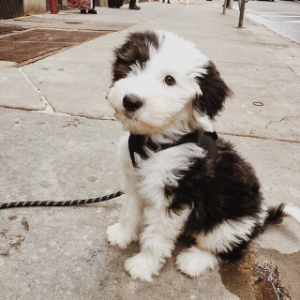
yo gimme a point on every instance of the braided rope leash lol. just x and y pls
(60, 203)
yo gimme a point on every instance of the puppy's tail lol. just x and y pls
(275, 214)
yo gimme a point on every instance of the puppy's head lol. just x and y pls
(160, 78)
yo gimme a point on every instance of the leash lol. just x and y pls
(60, 203)
(136, 144)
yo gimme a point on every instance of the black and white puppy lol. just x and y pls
(166, 93)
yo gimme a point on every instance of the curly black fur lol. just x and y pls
(227, 190)
(214, 92)
(135, 50)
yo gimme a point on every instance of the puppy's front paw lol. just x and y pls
(142, 266)
(120, 236)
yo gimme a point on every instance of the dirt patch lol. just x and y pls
(238, 277)
(18, 242)
(288, 267)
(12, 239)
(263, 274)
(92, 178)
(25, 224)
(9, 241)
(267, 283)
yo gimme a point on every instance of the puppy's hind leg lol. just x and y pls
(195, 261)
(226, 241)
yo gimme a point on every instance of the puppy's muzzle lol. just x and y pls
(132, 103)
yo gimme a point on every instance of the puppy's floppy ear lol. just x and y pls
(214, 92)
(135, 50)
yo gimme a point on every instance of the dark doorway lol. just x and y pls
(11, 9)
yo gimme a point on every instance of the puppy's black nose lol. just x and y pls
(132, 102)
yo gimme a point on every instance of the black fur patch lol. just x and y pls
(238, 250)
(135, 50)
(235, 254)
(227, 190)
(275, 215)
(214, 92)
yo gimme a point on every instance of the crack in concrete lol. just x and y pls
(283, 119)
(167, 12)
(259, 137)
(102, 118)
(292, 70)
(44, 101)
(19, 108)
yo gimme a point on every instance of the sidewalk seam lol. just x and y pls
(113, 120)
(57, 113)
(258, 137)
(48, 107)
(167, 12)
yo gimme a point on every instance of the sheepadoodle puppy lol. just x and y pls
(180, 179)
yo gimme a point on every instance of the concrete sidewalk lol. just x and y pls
(58, 141)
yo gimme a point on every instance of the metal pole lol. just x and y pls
(224, 6)
(242, 10)
(53, 7)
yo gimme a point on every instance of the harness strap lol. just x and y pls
(137, 144)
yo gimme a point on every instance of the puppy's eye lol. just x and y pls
(169, 80)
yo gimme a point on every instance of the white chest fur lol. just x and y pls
(161, 168)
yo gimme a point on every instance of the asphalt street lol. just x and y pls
(282, 17)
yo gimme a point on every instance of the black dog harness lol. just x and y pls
(207, 140)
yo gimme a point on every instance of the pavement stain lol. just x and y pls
(251, 277)
(13, 240)
(25, 224)
(20, 240)
(75, 122)
(9, 241)
(92, 178)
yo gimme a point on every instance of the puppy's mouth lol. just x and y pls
(132, 123)
(123, 115)
(130, 115)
